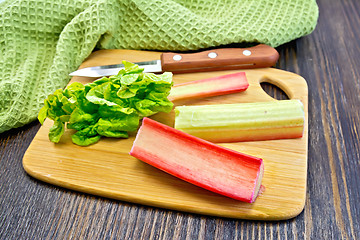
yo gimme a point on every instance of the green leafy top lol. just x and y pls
(110, 106)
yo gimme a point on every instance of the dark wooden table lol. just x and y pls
(329, 59)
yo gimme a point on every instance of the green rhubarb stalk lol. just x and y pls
(242, 122)
(202, 163)
(219, 85)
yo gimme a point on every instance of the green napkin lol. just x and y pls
(42, 41)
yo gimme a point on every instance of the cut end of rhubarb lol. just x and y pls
(202, 163)
(258, 184)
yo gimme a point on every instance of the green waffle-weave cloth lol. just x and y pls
(42, 41)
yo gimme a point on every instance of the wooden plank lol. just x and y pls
(106, 169)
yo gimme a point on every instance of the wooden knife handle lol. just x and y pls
(259, 56)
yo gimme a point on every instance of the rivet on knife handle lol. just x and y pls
(259, 56)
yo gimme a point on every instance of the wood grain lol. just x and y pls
(259, 56)
(328, 59)
(107, 169)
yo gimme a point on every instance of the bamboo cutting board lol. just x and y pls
(106, 168)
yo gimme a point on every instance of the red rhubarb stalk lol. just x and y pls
(199, 162)
(220, 85)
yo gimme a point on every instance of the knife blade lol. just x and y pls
(259, 56)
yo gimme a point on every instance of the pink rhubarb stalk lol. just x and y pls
(202, 163)
(220, 85)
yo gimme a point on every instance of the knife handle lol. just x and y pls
(259, 56)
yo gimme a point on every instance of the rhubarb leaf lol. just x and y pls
(43, 113)
(113, 128)
(129, 79)
(110, 106)
(56, 131)
(86, 136)
(129, 68)
(80, 119)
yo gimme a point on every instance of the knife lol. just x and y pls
(259, 56)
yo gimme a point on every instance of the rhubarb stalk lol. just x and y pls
(220, 85)
(242, 122)
(199, 162)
